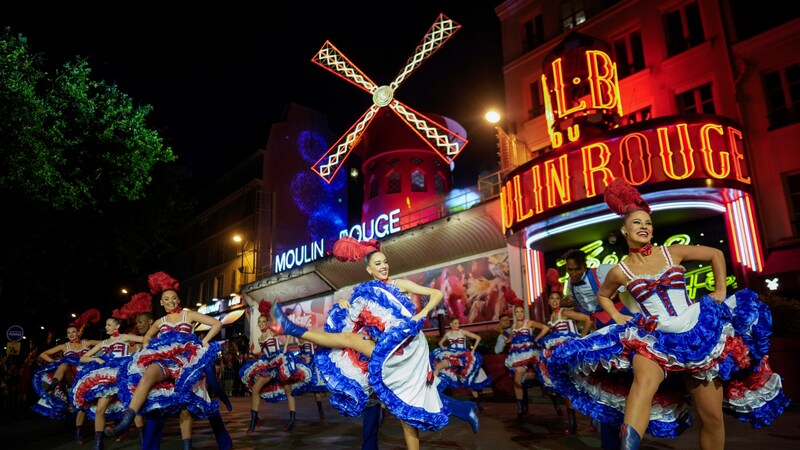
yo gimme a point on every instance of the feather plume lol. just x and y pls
(139, 303)
(264, 307)
(553, 281)
(160, 282)
(348, 249)
(90, 316)
(622, 198)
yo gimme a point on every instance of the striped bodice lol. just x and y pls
(80, 352)
(558, 324)
(663, 293)
(181, 327)
(521, 331)
(269, 346)
(115, 347)
(307, 347)
(456, 341)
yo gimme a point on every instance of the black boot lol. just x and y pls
(216, 388)
(520, 409)
(78, 437)
(478, 403)
(554, 399)
(98, 440)
(123, 424)
(290, 424)
(51, 386)
(224, 441)
(572, 422)
(253, 421)
(524, 401)
(187, 444)
(321, 412)
(141, 434)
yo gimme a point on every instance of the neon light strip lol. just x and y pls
(696, 204)
(529, 273)
(759, 259)
(746, 232)
(733, 234)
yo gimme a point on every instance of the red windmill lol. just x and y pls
(446, 143)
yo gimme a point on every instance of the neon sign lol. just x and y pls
(378, 227)
(662, 150)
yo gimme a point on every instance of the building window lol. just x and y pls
(782, 92)
(637, 116)
(439, 184)
(537, 106)
(203, 291)
(684, 28)
(629, 54)
(532, 33)
(234, 287)
(572, 14)
(373, 188)
(791, 183)
(219, 286)
(393, 185)
(418, 181)
(696, 101)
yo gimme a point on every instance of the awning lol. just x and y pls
(231, 317)
(782, 261)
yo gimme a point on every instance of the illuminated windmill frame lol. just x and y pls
(444, 142)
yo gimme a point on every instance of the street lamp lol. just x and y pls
(242, 269)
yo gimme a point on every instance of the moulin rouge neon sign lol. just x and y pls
(590, 149)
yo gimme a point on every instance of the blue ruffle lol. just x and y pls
(53, 405)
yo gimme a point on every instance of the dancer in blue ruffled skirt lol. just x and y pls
(641, 372)
(523, 355)
(274, 374)
(97, 383)
(53, 381)
(374, 344)
(167, 377)
(459, 366)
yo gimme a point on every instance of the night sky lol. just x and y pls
(218, 77)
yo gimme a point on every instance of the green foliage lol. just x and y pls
(785, 315)
(69, 141)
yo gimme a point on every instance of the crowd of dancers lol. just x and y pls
(632, 368)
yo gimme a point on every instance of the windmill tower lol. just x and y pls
(406, 155)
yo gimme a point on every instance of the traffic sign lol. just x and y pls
(13, 348)
(15, 333)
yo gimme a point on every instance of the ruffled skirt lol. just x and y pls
(728, 341)
(280, 369)
(316, 383)
(95, 381)
(184, 361)
(399, 367)
(465, 370)
(57, 404)
(523, 352)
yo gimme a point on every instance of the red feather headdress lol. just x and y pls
(160, 282)
(90, 316)
(348, 249)
(553, 281)
(511, 296)
(264, 307)
(139, 303)
(622, 198)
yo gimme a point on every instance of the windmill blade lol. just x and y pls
(447, 143)
(330, 58)
(333, 160)
(441, 30)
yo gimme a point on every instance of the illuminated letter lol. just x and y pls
(685, 152)
(381, 230)
(518, 201)
(626, 161)
(506, 206)
(557, 179)
(536, 178)
(735, 137)
(602, 79)
(708, 153)
(318, 249)
(589, 168)
(558, 89)
(394, 220)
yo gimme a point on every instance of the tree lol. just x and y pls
(92, 191)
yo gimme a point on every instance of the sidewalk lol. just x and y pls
(499, 430)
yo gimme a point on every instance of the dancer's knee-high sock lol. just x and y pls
(253, 421)
(216, 388)
(224, 441)
(98, 440)
(187, 444)
(321, 412)
(290, 424)
(123, 424)
(153, 431)
(372, 421)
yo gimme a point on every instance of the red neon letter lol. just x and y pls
(557, 179)
(518, 200)
(558, 88)
(685, 152)
(627, 162)
(506, 206)
(737, 147)
(589, 168)
(602, 79)
(708, 153)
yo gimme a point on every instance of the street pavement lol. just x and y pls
(499, 430)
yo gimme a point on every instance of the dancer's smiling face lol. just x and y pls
(262, 323)
(554, 299)
(378, 266)
(170, 300)
(72, 334)
(637, 228)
